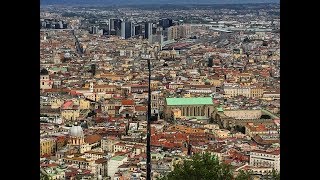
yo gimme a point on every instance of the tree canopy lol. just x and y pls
(201, 166)
(208, 167)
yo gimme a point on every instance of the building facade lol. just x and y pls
(265, 159)
(47, 146)
(199, 106)
(233, 90)
(126, 29)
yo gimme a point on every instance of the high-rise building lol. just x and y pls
(176, 32)
(111, 25)
(172, 32)
(94, 29)
(138, 30)
(147, 30)
(114, 26)
(165, 23)
(126, 31)
(133, 30)
(60, 24)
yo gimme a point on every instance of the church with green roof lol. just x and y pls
(189, 107)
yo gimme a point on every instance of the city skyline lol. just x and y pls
(148, 93)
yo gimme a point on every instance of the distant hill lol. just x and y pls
(145, 2)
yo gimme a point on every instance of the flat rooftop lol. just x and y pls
(118, 158)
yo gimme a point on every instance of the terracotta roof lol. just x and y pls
(127, 102)
(67, 104)
(141, 108)
(93, 138)
(101, 160)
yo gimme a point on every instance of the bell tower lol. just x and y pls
(91, 86)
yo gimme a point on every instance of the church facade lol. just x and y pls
(190, 107)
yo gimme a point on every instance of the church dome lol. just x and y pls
(76, 131)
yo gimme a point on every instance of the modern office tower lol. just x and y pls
(133, 30)
(60, 24)
(126, 29)
(114, 26)
(165, 23)
(138, 30)
(94, 29)
(154, 30)
(48, 25)
(43, 24)
(65, 25)
(147, 30)
(56, 26)
(111, 25)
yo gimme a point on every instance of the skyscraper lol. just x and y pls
(126, 31)
(114, 26)
(138, 30)
(165, 23)
(147, 30)
(111, 25)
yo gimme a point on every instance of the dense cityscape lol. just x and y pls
(214, 81)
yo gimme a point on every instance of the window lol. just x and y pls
(42, 83)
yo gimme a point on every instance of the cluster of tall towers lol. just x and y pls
(127, 29)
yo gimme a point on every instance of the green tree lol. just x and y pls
(201, 166)
(44, 177)
(274, 175)
(244, 175)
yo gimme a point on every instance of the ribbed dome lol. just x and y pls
(76, 131)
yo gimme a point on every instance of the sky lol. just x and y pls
(127, 2)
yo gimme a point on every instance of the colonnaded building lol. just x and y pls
(189, 107)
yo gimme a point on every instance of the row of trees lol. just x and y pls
(208, 167)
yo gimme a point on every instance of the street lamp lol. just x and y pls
(148, 123)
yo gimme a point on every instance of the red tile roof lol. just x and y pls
(141, 108)
(127, 102)
(92, 138)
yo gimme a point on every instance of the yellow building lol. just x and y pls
(70, 114)
(47, 146)
(84, 104)
(154, 85)
(233, 89)
(104, 88)
(256, 92)
(56, 103)
(70, 111)
(215, 82)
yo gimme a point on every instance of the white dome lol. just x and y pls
(76, 131)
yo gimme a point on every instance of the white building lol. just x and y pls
(114, 163)
(265, 159)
